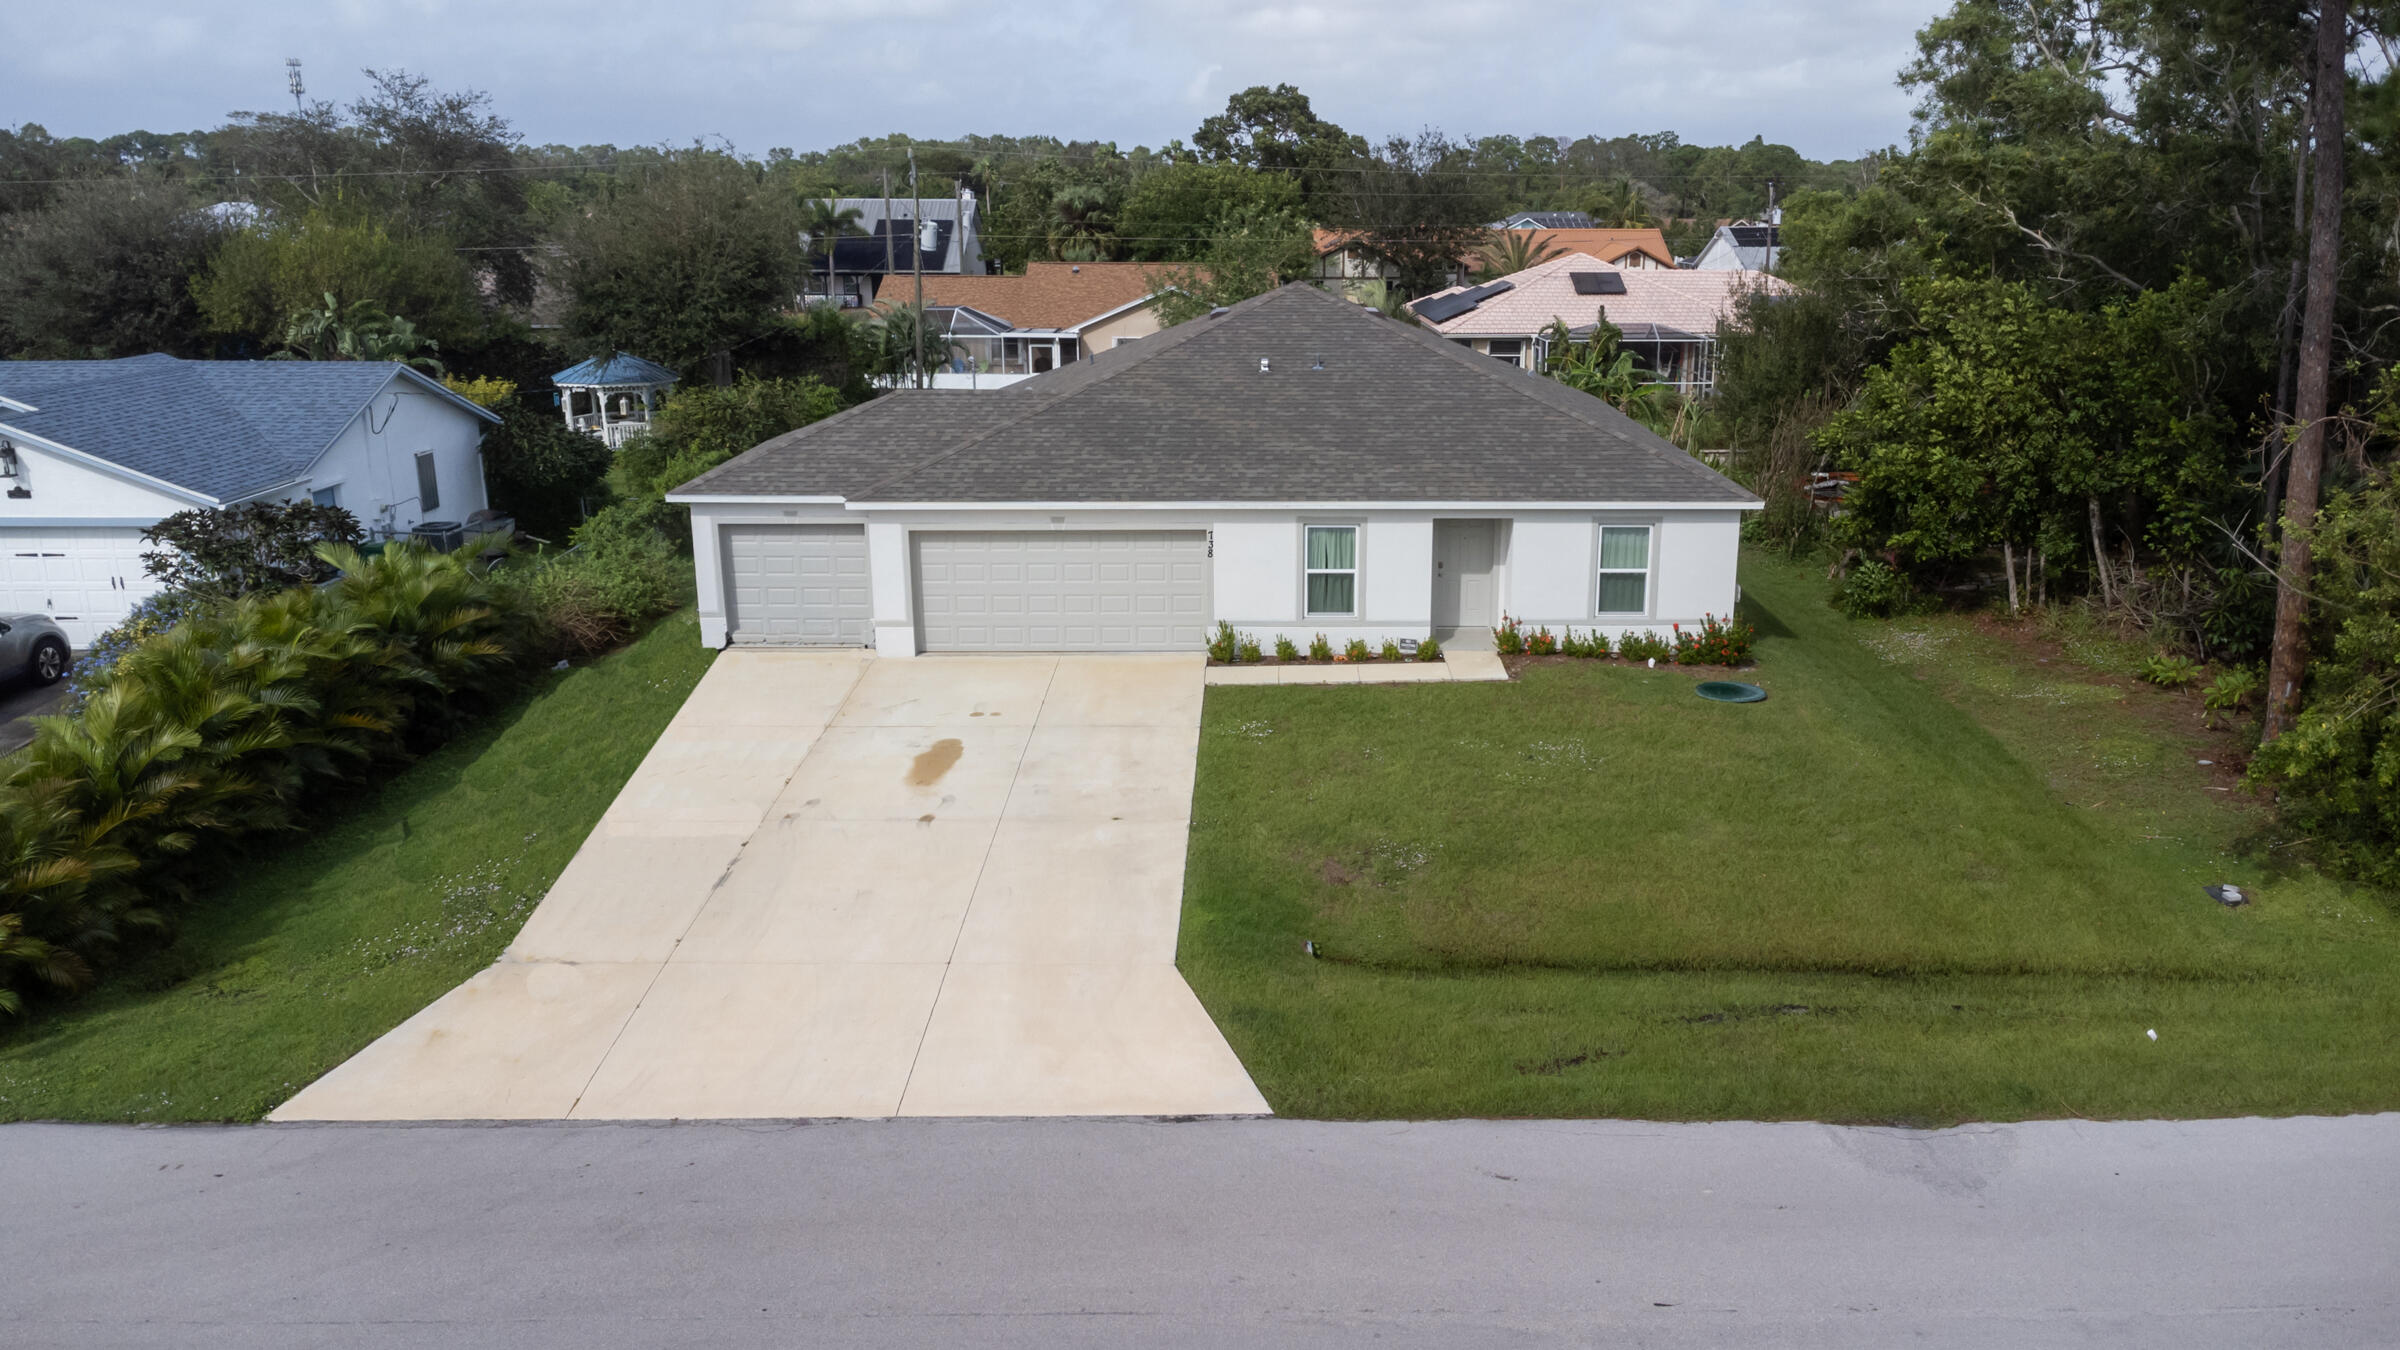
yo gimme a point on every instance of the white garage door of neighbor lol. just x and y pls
(796, 583)
(1062, 590)
(87, 578)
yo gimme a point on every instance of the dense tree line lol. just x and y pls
(2107, 328)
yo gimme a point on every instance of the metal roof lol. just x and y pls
(219, 429)
(624, 368)
(1292, 396)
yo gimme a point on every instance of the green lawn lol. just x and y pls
(324, 942)
(1946, 871)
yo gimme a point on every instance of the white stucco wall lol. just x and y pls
(69, 491)
(1545, 571)
(372, 464)
(1554, 569)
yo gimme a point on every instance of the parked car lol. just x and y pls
(33, 645)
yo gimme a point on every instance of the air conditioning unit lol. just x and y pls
(442, 535)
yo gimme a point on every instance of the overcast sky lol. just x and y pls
(814, 73)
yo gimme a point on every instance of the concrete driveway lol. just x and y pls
(847, 887)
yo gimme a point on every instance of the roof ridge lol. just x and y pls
(1645, 439)
(1145, 351)
(847, 414)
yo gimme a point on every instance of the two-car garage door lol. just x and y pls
(1062, 590)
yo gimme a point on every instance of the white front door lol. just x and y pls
(1464, 595)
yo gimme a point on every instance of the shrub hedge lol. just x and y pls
(221, 721)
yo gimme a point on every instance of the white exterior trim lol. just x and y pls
(111, 468)
(1544, 566)
(1446, 508)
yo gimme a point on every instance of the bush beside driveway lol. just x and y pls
(301, 952)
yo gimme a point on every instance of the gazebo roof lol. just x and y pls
(622, 369)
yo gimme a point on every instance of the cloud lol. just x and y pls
(812, 73)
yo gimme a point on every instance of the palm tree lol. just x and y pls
(1513, 251)
(1083, 228)
(1604, 370)
(903, 341)
(1622, 205)
(358, 331)
(823, 220)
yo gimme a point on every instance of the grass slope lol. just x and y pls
(327, 941)
(1930, 879)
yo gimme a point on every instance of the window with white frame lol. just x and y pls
(1332, 571)
(327, 496)
(1624, 569)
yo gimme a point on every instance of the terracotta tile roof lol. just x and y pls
(1678, 298)
(1608, 245)
(1049, 295)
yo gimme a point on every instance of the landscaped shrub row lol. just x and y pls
(216, 720)
(1717, 643)
(1231, 648)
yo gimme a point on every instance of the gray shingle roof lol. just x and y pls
(1395, 414)
(222, 429)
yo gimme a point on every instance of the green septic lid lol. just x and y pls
(1730, 691)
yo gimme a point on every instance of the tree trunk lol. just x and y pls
(2108, 597)
(2038, 571)
(2271, 454)
(2303, 479)
(2008, 564)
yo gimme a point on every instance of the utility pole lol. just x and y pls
(916, 262)
(291, 75)
(885, 225)
(2288, 652)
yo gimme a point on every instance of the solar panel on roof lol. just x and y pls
(1598, 283)
(1442, 308)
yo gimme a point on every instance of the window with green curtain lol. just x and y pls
(1624, 569)
(1332, 569)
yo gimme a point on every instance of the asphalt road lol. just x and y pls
(21, 698)
(1251, 1233)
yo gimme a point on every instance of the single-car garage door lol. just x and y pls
(87, 578)
(796, 583)
(1062, 590)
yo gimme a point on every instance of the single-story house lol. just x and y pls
(1291, 465)
(1741, 246)
(1049, 317)
(93, 452)
(940, 235)
(1669, 316)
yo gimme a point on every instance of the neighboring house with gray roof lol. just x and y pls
(1743, 246)
(94, 452)
(1295, 464)
(898, 236)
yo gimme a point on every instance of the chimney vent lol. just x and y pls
(1262, 366)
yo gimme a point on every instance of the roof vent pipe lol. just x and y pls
(1262, 366)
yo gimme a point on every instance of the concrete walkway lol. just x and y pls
(847, 887)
